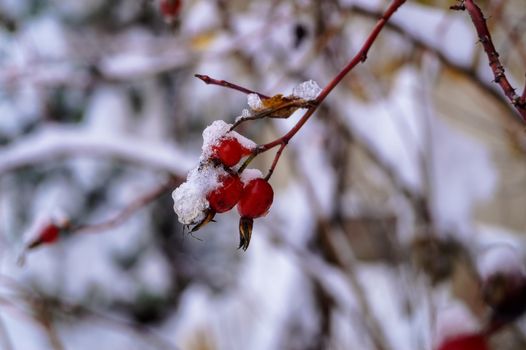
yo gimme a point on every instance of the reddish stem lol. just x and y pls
(275, 162)
(477, 17)
(360, 57)
(211, 81)
(128, 211)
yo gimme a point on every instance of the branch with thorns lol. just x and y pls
(499, 73)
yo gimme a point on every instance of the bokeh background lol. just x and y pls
(397, 197)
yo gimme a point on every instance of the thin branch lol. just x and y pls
(211, 81)
(477, 17)
(131, 209)
(286, 109)
(275, 162)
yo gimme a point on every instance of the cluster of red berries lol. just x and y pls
(253, 198)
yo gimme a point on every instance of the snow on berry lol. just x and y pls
(190, 198)
(190, 203)
(501, 259)
(250, 174)
(217, 131)
(308, 90)
(454, 321)
(45, 229)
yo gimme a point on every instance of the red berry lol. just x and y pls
(226, 196)
(229, 151)
(48, 234)
(256, 199)
(465, 342)
(170, 8)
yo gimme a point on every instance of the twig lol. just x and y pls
(272, 113)
(211, 81)
(477, 17)
(276, 159)
(128, 211)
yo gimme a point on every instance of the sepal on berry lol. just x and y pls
(245, 232)
(506, 296)
(209, 217)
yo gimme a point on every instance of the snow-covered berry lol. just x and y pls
(229, 151)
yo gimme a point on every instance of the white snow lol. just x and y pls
(250, 174)
(56, 141)
(308, 90)
(245, 113)
(215, 132)
(453, 321)
(254, 102)
(501, 259)
(190, 201)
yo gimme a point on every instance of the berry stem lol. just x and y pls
(128, 211)
(276, 159)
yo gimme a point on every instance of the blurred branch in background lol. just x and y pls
(397, 221)
(484, 35)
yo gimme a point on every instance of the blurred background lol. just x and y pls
(391, 204)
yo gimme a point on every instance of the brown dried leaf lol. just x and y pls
(280, 106)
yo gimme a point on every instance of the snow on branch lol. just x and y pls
(59, 141)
